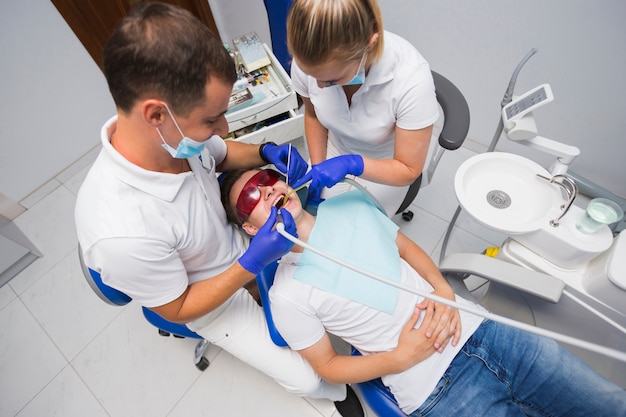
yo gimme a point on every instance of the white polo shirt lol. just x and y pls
(151, 234)
(398, 91)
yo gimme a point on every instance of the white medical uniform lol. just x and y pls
(398, 91)
(152, 234)
(303, 313)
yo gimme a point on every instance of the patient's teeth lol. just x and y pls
(280, 201)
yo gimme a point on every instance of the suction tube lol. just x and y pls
(612, 353)
(508, 95)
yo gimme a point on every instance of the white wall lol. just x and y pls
(234, 18)
(582, 55)
(54, 98)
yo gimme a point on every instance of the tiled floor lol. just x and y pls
(64, 352)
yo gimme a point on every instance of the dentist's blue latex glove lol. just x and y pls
(279, 156)
(329, 173)
(268, 245)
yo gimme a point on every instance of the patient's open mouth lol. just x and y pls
(280, 201)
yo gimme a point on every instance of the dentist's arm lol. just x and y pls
(268, 245)
(204, 296)
(243, 155)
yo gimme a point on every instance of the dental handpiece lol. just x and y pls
(288, 164)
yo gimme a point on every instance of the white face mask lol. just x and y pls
(187, 147)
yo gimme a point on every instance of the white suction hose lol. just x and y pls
(612, 353)
(594, 311)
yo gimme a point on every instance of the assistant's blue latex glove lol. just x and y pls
(279, 156)
(268, 245)
(328, 173)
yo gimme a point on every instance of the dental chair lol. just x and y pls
(453, 133)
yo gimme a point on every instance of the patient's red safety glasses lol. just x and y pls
(250, 194)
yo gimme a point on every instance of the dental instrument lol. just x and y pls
(286, 197)
(288, 164)
(292, 192)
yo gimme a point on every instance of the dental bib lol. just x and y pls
(353, 229)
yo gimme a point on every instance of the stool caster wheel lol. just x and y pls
(202, 364)
(198, 355)
(178, 336)
(164, 333)
(407, 216)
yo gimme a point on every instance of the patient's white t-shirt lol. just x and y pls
(303, 314)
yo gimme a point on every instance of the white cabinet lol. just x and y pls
(273, 115)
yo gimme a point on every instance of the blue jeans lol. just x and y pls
(503, 371)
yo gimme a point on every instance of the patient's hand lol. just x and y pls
(446, 321)
(413, 344)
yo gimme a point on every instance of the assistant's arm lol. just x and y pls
(240, 155)
(410, 150)
(316, 134)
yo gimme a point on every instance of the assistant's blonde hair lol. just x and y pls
(319, 31)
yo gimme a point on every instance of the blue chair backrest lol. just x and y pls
(378, 396)
(107, 294)
(114, 297)
(264, 281)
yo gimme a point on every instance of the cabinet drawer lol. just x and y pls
(281, 132)
(278, 98)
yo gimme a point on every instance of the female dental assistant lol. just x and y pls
(368, 95)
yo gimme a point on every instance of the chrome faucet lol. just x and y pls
(571, 189)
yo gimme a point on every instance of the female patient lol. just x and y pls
(488, 369)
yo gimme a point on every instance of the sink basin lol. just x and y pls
(503, 192)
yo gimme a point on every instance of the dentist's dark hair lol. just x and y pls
(163, 51)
